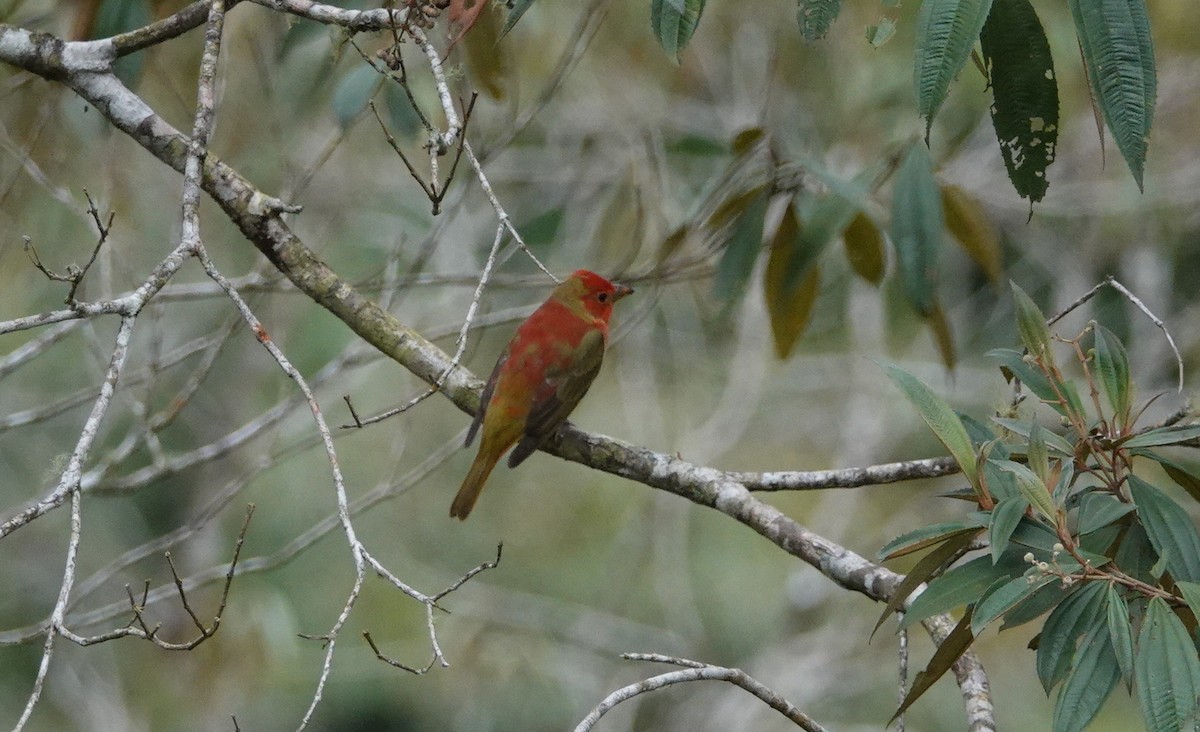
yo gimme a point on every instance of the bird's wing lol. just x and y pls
(486, 397)
(561, 391)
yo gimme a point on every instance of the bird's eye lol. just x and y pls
(602, 297)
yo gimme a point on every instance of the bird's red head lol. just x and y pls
(595, 293)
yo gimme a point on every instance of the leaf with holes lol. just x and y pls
(815, 17)
(1024, 94)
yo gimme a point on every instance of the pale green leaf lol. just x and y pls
(940, 418)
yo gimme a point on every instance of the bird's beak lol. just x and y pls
(621, 291)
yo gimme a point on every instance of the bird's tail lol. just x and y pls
(473, 485)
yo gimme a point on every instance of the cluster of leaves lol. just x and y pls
(1066, 524)
(1114, 37)
(820, 207)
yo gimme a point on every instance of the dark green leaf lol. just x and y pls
(1034, 490)
(946, 33)
(930, 564)
(917, 226)
(1046, 598)
(1031, 324)
(1037, 382)
(926, 536)
(1024, 92)
(1172, 435)
(1005, 518)
(1120, 632)
(1005, 598)
(1071, 619)
(1186, 473)
(741, 251)
(962, 585)
(673, 23)
(1097, 510)
(1135, 555)
(940, 418)
(943, 659)
(1112, 366)
(1091, 679)
(1167, 670)
(515, 11)
(1023, 428)
(1114, 36)
(1169, 528)
(815, 17)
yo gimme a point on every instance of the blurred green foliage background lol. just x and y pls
(593, 566)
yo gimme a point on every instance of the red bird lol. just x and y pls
(544, 371)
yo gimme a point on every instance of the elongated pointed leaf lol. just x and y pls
(1114, 36)
(1072, 618)
(968, 223)
(789, 310)
(1035, 454)
(917, 227)
(1092, 677)
(943, 659)
(1169, 528)
(1191, 595)
(1031, 325)
(1034, 490)
(674, 22)
(1038, 382)
(1120, 632)
(1172, 435)
(940, 418)
(1167, 670)
(1005, 517)
(1112, 366)
(1097, 510)
(1185, 472)
(864, 248)
(930, 564)
(962, 585)
(1005, 598)
(1024, 93)
(741, 250)
(1058, 443)
(946, 33)
(815, 17)
(926, 536)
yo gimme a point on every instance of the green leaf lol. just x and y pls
(940, 418)
(1186, 473)
(1031, 325)
(930, 564)
(1039, 461)
(1135, 554)
(1114, 36)
(121, 16)
(1024, 428)
(1120, 632)
(1005, 517)
(864, 248)
(926, 536)
(881, 33)
(673, 23)
(1038, 383)
(1091, 679)
(1169, 528)
(1167, 670)
(515, 11)
(789, 310)
(962, 585)
(1024, 94)
(822, 219)
(1045, 599)
(815, 17)
(353, 92)
(943, 659)
(1164, 436)
(1191, 595)
(1030, 486)
(968, 223)
(917, 226)
(946, 33)
(1071, 619)
(741, 250)
(1005, 598)
(1097, 510)
(1112, 366)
